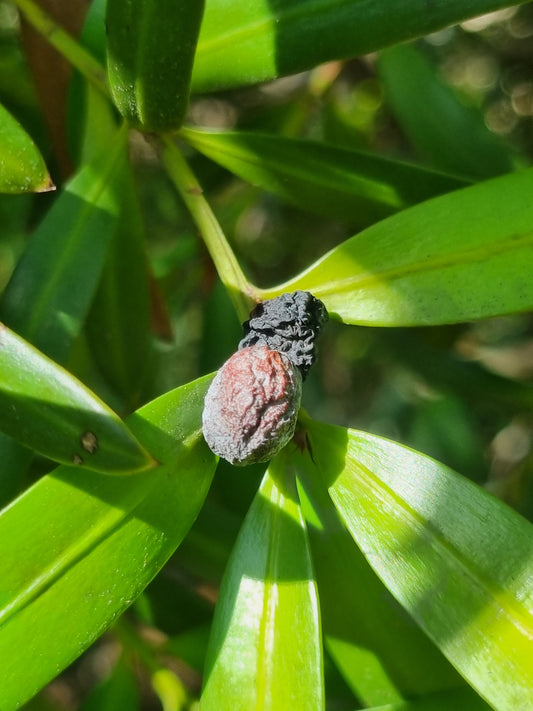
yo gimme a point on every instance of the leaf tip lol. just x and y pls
(47, 186)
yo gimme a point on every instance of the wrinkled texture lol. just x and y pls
(290, 324)
(251, 407)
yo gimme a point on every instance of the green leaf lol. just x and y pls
(343, 184)
(462, 256)
(22, 168)
(265, 648)
(151, 45)
(75, 553)
(449, 134)
(47, 409)
(90, 115)
(458, 560)
(381, 654)
(118, 323)
(49, 293)
(249, 41)
(15, 461)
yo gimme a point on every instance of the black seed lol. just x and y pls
(290, 324)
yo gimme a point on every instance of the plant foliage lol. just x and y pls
(352, 571)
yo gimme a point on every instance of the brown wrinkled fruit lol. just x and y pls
(251, 406)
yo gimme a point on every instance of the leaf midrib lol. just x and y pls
(454, 259)
(449, 552)
(75, 552)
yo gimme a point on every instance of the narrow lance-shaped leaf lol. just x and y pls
(381, 654)
(77, 551)
(151, 45)
(265, 648)
(349, 185)
(49, 293)
(248, 41)
(22, 168)
(458, 560)
(448, 134)
(118, 325)
(45, 408)
(462, 256)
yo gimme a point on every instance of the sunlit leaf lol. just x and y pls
(45, 408)
(265, 648)
(458, 560)
(450, 259)
(78, 550)
(249, 41)
(381, 653)
(348, 185)
(22, 168)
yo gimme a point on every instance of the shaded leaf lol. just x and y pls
(447, 133)
(343, 184)
(150, 50)
(90, 115)
(22, 168)
(50, 411)
(458, 560)
(77, 553)
(118, 323)
(15, 461)
(265, 648)
(249, 41)
(450, 259)
(49, 293)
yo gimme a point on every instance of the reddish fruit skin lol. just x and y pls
(251, 407)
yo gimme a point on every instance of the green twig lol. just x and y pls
(242, 293)
(65, 44)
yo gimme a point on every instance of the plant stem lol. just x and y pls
(242, 292)
(65, 44)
